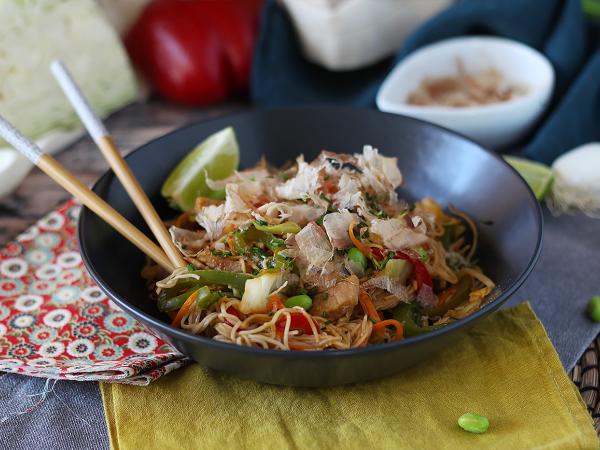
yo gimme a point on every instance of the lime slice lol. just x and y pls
(216, 157)
(538, 176)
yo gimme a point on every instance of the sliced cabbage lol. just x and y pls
(257, 290)
(75, 31)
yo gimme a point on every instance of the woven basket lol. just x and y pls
(586, 375)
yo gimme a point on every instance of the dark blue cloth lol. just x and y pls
(557, 28)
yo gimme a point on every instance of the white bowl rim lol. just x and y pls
(536, 93)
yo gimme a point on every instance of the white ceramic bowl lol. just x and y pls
(495, 125)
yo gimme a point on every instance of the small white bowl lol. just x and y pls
(494, 125)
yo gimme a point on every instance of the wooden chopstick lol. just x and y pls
(103, 140)
(71, 184)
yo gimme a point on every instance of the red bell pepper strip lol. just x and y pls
(234, 312)
(298, 322)
(421, 273)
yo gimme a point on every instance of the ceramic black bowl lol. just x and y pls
(434, 161)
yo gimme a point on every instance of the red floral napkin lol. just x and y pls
(56, 323)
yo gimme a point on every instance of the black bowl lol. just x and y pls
(435, 162)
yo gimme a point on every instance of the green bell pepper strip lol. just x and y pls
(206, 297)
(252, 234)
(239, 242)
(235, 280)
(409, 315)
(282, 228)
(449, 236)
(174, 303)
(452, 297)
(182, 286)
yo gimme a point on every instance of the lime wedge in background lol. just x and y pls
(538, 176)
(216, 157)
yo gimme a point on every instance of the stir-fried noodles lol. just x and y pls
(321, 255)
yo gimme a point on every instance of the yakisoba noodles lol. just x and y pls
(320, 255)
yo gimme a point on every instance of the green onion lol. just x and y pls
(423, 255)
(282, 228)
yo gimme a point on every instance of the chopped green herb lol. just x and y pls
(190, 268)
(423, 255)
(262, 222)
(379, 265)
(326, 178)
(275, 243)
(324, 197)
(223, 254)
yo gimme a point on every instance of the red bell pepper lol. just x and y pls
(298, 322)
(421, 273)
(234, 312)
(195, 52)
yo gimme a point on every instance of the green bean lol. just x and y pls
(282, 228)
(356, 255)
(593, 308)
(473, 423)
(302, 300)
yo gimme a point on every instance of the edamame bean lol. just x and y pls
(473, 423)
(356, 255)
(302, 300)
(593, 308)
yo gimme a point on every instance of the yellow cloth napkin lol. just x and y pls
(504, 368)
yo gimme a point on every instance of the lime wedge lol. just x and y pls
(538, 176)
(216, 157)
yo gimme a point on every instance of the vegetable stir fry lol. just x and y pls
(320, 255)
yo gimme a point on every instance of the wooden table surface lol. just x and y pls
(130, 127)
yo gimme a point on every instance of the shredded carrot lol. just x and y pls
(229, 228)
(230, 243)
(185, 308)
(368, 306)
(359, 245)
(446, 294)
(275, 302)
(390, 322)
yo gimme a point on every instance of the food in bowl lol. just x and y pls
(465, 89)
(319, 255)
